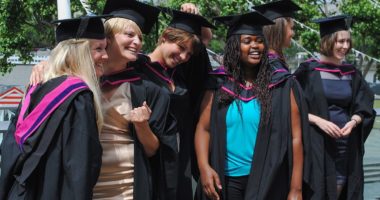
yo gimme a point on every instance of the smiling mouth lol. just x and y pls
(132, 50)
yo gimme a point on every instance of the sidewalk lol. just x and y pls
(372, 166)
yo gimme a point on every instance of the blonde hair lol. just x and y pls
(327, 44)
(178, 36)
(118, 25)
(275, 34)
(73, 57)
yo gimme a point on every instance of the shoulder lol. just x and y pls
(216, 78)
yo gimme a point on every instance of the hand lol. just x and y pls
(330, 128)
(190, 8)
(295, 194)
(210, 183)
(346, 130)
(139, 115)
(37, 73)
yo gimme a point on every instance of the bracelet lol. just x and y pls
(356, 122)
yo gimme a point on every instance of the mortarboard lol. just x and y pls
(90, 27)
(142, 14)
(277, 9)
(187, 21)
(333, 24)
(249, 23)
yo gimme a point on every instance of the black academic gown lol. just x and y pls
(62, 159)
(324, 178)
(271, 169)
(142, 90)
(188, 79)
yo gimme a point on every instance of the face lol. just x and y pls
(251, 49)
(99, 54)
(174, 54)
(342, 45)
(126, 44)
(289, 33)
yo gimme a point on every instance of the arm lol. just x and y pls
(295, 192)
(209, 178)
(139, 117)
(206, 33)
(326, 126)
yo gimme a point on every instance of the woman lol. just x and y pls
(135, 110)
(52, 148)
(169, 67)
(340, 113)
(249, 136)
(279, 35)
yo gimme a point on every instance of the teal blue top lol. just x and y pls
(242, 128)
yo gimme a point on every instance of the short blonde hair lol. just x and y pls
(178, 36)
(118, 25)
(327, 44)
(73, 57)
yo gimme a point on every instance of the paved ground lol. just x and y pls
(372, 156)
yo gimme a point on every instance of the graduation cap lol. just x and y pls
(90, 27)
(277, 9)
(142, 14)
(333, 24)
(249, 23)
(186, 21)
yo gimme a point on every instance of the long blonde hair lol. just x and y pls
(73, 57)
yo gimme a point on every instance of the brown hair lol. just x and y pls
(275, 34)
(178, 36)
(327, 44)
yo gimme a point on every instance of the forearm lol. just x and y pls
(147, 138)
(297, 146)
(313, 119)
(202, 139)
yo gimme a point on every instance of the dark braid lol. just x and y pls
(231, 61)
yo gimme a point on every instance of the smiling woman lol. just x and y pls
(341, 113)
(249, 137)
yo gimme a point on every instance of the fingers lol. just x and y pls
(37, 73)
(147, 107)
(190, 8)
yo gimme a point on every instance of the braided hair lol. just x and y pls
(232, 63)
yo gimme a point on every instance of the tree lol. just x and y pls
(24, 25)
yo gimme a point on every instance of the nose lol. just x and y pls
(346, 45)
(104, 55)
(184, 56)
(137, 40)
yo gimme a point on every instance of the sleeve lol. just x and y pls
(82, 152)
(363, 105)
(161, 122)
(9, 153)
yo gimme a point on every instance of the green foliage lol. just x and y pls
(24, 24)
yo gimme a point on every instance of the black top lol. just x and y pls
(331, 25)
(277, 9)
(249, 23)
(187, 21)
(90, 27)
(144, 168)
(270, 173)
(62, 159)
(144, 15)
(324, 173)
